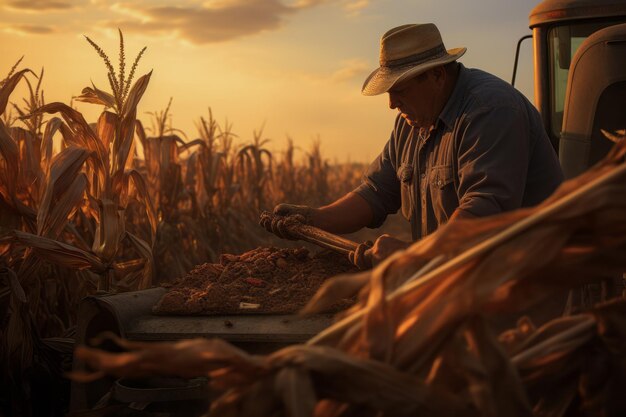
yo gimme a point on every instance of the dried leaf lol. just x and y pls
(123, 143)
(367, 382)
(499, 389)
(66, 204)
(96, 96)
(14, 284)
(106, 127)
(121, 183)
(297, 391)
(47, 143)
(64, 169)
(29, 159)
(109, 230)
(10, 153)
(145, 250)
(187, 359)
(60, 253)
(80, 131)
(335, 289)
(135, 94)
(8, 87)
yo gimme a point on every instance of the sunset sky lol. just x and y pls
(294, 66)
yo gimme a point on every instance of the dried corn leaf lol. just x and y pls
(553, 345)
(557, 207)
(80, 132)
(14, 284)
(18, 343)
(336, 375)
(106, 127)
(29, 160)
(141, 134)
(559, 361)
(135, 94)
(379, 326)
(60, 253)
(67, 203)
(186, 359)
(294, 385)
(367, 382)
(121, 184)
(109, 230)
(499, 388)
(63, 172)
(211, 170)
(96, 96)
(145, 250)
(8, 86)
(335, 289)
(418, 303)
(260, 400)
(188, 145)
(123, 142)
(10, 153)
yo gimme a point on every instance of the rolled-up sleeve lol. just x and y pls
(493, 154)
(381, 187)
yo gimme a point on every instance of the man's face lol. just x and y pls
(417, 99)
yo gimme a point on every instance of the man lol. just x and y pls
(465, 144)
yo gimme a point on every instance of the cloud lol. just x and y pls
(351, 69)
(354, 7)
(213, 21)
(26, 29)
(303, 4)
(38, 5)
(195, 21)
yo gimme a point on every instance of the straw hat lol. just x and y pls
(407, 51)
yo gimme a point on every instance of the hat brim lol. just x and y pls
(384, 78)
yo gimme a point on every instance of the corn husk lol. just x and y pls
(421, 340)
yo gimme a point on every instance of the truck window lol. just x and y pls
(563, 42)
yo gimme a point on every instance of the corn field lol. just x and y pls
(112, 206)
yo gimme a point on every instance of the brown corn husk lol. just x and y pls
(419, 342)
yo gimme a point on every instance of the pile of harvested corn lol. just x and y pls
(264, 280)
(418, 341)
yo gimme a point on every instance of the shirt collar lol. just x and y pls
(451, 109)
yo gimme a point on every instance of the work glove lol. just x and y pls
(362, 255)
(295, 212)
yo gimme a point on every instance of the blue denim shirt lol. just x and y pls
(487, 153)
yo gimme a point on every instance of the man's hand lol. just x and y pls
(365, 256)
(284, 209)
(303, 214)
(362, 256)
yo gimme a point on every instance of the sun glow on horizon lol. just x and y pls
(294, 68)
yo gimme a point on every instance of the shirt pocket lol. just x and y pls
(442, 192)
(405, 175)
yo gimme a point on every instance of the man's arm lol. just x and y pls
(346, 215)
(366, 206)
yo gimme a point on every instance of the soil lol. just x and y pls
(266, 280)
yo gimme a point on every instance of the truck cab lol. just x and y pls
(580, 74)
